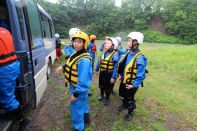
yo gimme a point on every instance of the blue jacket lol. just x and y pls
(141, 67)
(89, 50)
(121, 51)
(115, 60)
(90, 46)
(101, 48)
(68, 49)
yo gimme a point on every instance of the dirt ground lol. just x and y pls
(52, 113)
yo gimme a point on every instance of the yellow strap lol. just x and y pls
(109, 56)
(77, 58)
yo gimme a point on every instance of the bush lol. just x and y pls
(158, 37)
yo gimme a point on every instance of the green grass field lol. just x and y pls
(167, 102)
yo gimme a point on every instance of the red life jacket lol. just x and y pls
(7, 51)
(94, 48)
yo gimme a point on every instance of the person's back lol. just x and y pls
(10, 70)
(58, 43)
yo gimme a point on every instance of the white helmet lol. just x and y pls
(72, 31)
(118, 39)
(57, 35)
(114, 42)
(136, 36)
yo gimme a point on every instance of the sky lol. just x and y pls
(118, 2)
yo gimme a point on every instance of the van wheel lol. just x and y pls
(49, 69)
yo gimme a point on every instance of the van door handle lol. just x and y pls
(36, 62)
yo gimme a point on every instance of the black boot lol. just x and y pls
(23, 121)
(86, 118)
(121, 108)
(107, 101)
(100, 98)
(89, 94)
(129, 116)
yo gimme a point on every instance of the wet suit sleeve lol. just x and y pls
(115, 60)
(141, 67)
(84, 76)
(98, 63)
(121, 51)
(101, 48)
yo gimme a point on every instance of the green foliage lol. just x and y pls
(102, 17)
(181, 19)
(53, 129)
(153, 36)
(140, 24)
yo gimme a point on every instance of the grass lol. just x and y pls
(168, 100)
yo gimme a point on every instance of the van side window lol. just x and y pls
(20, 18)
(35, 25)
(52, 28)
(45, 26)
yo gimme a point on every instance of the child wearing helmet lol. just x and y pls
(120, 49)
(68, 49)
(107, 64)
(78, 72)
(58, 47)
(102, 48)
(131, 72)
(92, 48)
(120, 52)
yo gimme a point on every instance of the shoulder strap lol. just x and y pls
(134, 61)
(111, 55)
(86, 55)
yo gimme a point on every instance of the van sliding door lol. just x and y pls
(34, 32)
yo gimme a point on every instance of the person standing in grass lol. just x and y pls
(68, 49)
(108, 64)
(102, 48)
(58, 47)
(78, 72)
(92, 48)
(131, 72)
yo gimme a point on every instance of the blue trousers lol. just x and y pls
(8, 75)
(78, 108)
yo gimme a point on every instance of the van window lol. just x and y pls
(4, 19)
(20, 17)
(35, 25)
(52, 28)
(45, 26)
